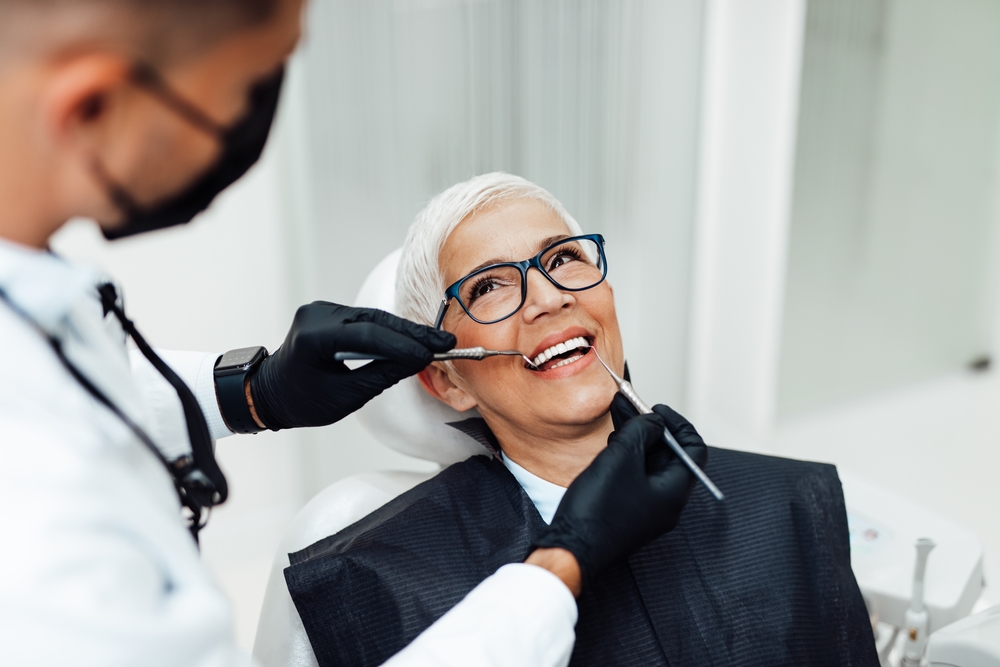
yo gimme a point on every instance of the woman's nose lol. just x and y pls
(543, 297)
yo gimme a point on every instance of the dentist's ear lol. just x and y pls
(436, 382)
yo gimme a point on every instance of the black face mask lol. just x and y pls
(241, 143)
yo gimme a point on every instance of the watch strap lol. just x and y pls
(230, 389)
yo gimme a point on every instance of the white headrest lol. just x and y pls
(405, 417)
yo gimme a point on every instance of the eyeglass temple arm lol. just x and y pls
(440, 316)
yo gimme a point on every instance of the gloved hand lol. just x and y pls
(302, 385)
(632, 493)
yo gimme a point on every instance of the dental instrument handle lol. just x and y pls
(357, 356)
(625, 387)
(477, 353)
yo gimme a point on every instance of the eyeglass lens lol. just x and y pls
(496, 292)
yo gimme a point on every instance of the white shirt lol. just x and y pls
(97, 566)
(545, 495)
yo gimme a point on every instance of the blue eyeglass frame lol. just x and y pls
(535, 262)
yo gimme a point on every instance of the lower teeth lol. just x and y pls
(567, 361)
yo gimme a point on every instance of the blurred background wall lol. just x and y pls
(800, 201)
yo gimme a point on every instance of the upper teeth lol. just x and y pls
(571, 344)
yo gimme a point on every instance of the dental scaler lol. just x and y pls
(625, 387)
(476, 353)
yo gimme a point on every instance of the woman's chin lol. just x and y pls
(577, 409)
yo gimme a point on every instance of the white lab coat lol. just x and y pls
(97, 566)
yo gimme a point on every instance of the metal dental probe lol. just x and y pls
(477, 353)
(625, 387)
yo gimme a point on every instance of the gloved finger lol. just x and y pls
(380, 375)
(658, 453)
(434, 339)
(685, 434)
(683, 430)
(622, 410)
(640, 434)
(658, 457)
(374, 339)
(672, 482)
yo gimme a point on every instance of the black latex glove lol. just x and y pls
(302, 385)
(632, 493)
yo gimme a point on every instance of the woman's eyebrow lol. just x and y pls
(544, 243)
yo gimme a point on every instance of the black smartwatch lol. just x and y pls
(232, 371)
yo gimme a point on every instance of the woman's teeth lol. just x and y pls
(566, 361)
(562, 348)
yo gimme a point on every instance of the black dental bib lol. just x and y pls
(762, 579)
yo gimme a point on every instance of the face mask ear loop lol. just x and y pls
(119, 196)
(146, 77)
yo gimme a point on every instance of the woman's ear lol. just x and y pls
(436, 382)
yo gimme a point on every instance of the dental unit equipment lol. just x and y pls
(916, 616)
(476, 353)
(625, 387)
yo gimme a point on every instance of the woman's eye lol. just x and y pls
(562, 258)
(483, 287)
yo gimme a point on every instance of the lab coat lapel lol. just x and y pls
(62, 299)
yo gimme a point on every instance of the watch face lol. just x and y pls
(240, 359)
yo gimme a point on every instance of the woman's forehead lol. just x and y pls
(509, 231)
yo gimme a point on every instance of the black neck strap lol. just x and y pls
(199, 481)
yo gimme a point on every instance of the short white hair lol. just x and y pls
(419, 281)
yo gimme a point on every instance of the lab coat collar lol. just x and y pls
(62, 299)
(43, 284)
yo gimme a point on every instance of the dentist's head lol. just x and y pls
(133, 112)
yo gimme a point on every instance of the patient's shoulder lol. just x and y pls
(754, 469)
(764, 492)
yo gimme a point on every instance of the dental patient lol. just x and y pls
(763, 578)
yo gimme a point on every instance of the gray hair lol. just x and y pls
(419, 281)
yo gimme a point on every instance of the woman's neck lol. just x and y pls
(558, 455)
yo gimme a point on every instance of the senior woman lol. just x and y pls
(761, 579)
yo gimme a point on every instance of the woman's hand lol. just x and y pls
(632, 493)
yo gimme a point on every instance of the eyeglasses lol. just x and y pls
(495, 292)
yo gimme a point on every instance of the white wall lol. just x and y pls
(750, 94)
(596, 101)
(895, 189)
(934, 442)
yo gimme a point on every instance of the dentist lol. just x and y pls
(137, 113)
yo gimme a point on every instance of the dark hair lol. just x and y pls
(160, 29)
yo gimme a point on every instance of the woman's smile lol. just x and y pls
(562, 354)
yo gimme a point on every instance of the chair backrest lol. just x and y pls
(403, 418)
(281, 640)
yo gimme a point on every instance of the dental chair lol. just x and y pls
(403, 418)
(883, 529)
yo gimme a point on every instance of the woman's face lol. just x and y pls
(576, 393)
